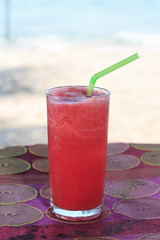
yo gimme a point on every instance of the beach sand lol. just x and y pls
(26, 73)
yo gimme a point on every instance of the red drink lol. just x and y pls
(77, 140)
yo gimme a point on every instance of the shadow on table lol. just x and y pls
(23, 136)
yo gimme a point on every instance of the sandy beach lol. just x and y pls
(26, 73)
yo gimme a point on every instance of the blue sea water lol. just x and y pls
(82, 20)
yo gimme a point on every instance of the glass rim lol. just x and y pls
(106, 91)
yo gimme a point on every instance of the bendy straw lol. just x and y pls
(108, 70)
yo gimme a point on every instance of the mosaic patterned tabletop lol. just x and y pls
(131, 208)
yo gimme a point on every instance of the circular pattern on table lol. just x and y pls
(12, 151)
(154, 236)
(151, 158)
(45, 192)
(95, 238)
(142, 208)
(13, 166)
(19, 214)
(122, 162)
(146, 146)
(41, 165)
(131, 188)
(116, 148)
(13, 193)
(40, 150)
(105, 213)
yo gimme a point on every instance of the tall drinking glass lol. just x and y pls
(77, 141)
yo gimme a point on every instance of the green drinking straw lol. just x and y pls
(108, 70)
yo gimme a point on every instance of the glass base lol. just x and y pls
(76, 215)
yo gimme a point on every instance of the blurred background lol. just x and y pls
(48, 43)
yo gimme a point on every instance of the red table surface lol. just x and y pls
(142, 222)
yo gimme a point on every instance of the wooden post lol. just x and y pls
(7, 20)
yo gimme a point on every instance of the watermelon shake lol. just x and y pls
(77, 141)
